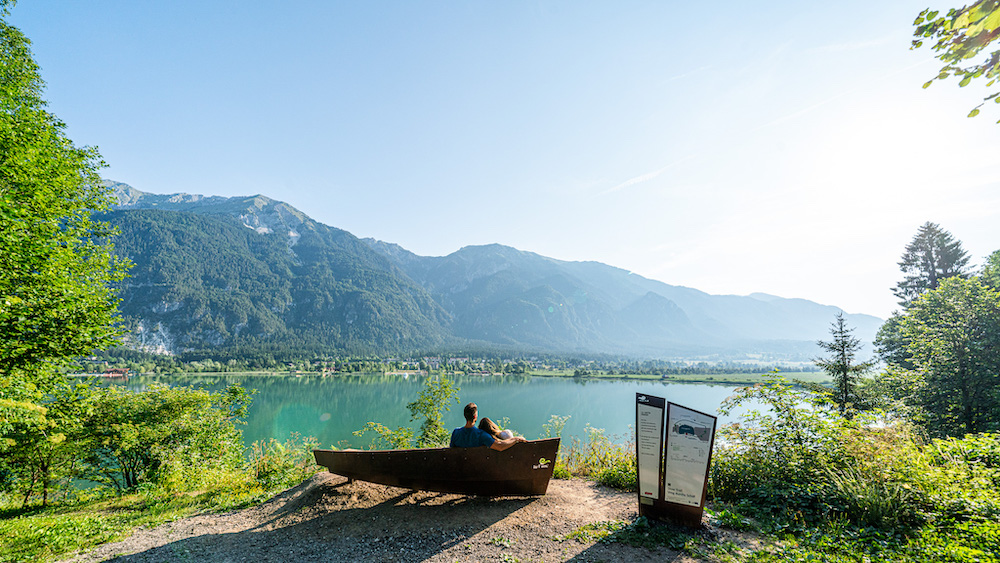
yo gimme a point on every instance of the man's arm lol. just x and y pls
(501, 445)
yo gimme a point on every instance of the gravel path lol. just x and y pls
(328, 519)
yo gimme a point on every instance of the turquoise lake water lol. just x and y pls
(331, 408)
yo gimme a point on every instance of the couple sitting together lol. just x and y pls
(488, 433)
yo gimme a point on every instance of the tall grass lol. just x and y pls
(608, 461)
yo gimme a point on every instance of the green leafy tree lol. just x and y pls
(842, 366)
(163, 435)
(436, 397)
(991, 271)
(890, 345)
(962, 34)
(45, 449)
(953, 336)
(57, 268)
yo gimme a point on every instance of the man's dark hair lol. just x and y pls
(471, 411)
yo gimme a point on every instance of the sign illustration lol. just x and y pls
(689, 445)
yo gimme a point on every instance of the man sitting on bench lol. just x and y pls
(469, 436)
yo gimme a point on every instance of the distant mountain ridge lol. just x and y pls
(615, 307)
(252, 272)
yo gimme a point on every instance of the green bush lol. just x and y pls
(620, 474)
(281, 464)
(602, 459)
(856, 490)
(793, 443)
(386, 438)
(173, 436)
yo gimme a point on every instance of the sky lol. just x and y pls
(778, 147)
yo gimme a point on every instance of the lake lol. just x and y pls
(331, 408)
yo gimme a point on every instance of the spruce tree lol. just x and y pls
(841, 365)
(932, 256)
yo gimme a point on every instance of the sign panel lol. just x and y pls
(649, 443)
(688, 452)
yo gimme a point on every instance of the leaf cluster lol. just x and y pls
(960, 35)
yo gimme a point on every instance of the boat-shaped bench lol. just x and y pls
(524, 469)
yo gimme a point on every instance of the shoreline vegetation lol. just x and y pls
(812, 377)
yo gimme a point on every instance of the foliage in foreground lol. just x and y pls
(87, 518)
(834, 489)
(958, 36)
(153, 456)
(57, 263)
(607, 461)
(822, 487)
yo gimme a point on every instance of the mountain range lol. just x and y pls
(239, 274)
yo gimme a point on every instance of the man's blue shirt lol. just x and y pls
(470, 438)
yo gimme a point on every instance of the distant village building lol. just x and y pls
(116, 372)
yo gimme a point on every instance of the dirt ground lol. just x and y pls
(328, 519)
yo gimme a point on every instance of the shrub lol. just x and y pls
(602, 459)
(791, 443)
(801, 463)
(873, 499)
(273, 463)
(386, 438)
(620, 474)
(177, 437)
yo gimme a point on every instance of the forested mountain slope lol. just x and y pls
(203, 279)
(251, 275)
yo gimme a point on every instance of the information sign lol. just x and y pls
(673, 452)
(688, 452)
(649, 412)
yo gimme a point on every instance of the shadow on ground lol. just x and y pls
(328, 519)
(345, 522)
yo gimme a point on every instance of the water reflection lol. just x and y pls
(331, 408)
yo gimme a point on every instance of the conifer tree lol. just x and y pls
(931, 257)
(841, 365)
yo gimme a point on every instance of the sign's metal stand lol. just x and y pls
(673, 456)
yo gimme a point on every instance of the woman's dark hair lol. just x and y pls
(490, 427)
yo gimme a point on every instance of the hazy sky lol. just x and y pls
(734, 147)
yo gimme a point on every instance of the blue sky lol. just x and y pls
(779, 147)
